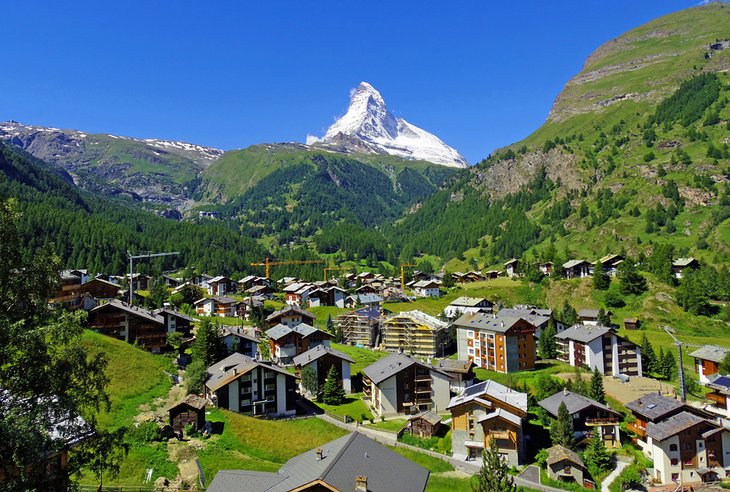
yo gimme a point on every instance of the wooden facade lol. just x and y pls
(190, 411)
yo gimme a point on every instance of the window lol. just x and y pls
(675, 477)
(672, 447)
(675, 461)
(469, 334)
(471, 351)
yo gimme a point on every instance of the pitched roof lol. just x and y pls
(558, 453)
(500, 413)
(494, 390)
(673, 425)
(342, 461)
(720, 383)
(317, 352)
(191, 400)
(536, 317)
(421, 318)
(233, 367)
(683, 262)
(583, 333)
(468, 301)
(175, 313)
(422, 284)
(453, 365)
(134, 310)
(712, 353)
(510, 262)
(588, 313)
(280, 331)
(573, 263)
(289, 310)
(392, 364)
(368, 298)
(429, 416)
(217, 299)
(654, 405)
(573, 401)
(490, 322)
(238, 332)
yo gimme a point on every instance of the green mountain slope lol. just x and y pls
(634, 153)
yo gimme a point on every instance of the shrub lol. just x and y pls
(144, 433)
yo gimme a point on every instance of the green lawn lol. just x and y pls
(135, 377)
(435, 465)
(439, 483)
(390, 425)
(322, 312)
(353, 407)
(363, 357)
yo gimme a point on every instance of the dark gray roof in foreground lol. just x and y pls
(317, 352)
(573, 401)
(673, 425)
(654, 405)
(343, 460)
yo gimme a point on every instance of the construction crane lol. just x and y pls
(403, 275)
(682, 389)
(268, 264)
(131, 268)
(327, 269)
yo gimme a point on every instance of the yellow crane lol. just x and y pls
(403, 275)
(268, 264)
(327, 269)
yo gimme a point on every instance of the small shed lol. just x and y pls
(632, 323)
(424, 424)
(564, 464)
(190, 410)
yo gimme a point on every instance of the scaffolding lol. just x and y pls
(358, 328)
(415, 333)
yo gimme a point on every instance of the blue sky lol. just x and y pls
(478, 74)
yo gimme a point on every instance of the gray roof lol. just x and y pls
(583, 333)
(280, 331)
(712, 353)
(237, 331)
(654, 405)
(175, 313)
(289, 310)
(429, 416)
(588, 313)
(392, 364)
(494, 390)
(573, 263)
(558, 453)
(683, 262)
(573, 401)
(490, 322)
(536, 317)
(217, 299)
(368, 298)
(317, 352)
(468, 301)
(454, 365)
(673, 425)
(191, 400)
(233, 367)
(342, 461)
(123, 306)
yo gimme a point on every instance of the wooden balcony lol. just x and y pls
(603, 421)
(636, 429)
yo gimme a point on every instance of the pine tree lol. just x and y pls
(604, 319)
(632, 282)
(578, 384)
(561, 428)
(596, 455)
(494, 474)
(568, 315)
(596, 391)
(547, 344)
(309, 381)
(209, 347)
(601, 280)
(669, 365)
(648, 357)
(158, 293)
(332, 392)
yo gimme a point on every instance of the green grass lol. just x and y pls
(439, 483)
(135, 377)
(353, 407)
(363, 357)
(133, 470)
(390, 425)
(434, 465)
(322, 312)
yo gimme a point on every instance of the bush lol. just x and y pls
(614, 299)
(144, 433)
(189, 430)
(630, 478)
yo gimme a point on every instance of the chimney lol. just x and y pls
(320, 452)
(361, 483)
(565, 391)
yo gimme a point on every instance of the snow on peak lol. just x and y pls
(368, 126)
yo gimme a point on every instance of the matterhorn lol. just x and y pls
(368, 127)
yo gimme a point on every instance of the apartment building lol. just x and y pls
(595, 346)
(360, 327)
(415, 333)
(496, 342)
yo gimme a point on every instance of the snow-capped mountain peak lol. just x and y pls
(369, 127)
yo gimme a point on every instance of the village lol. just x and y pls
(566, 400)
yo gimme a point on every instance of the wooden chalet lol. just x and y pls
(190, 411)
(424, 424)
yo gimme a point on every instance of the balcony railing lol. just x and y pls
(603, 421)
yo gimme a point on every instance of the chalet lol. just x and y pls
(415, 332)
(352, 462)
(487, 411)
(366, 289)
(512, 268)
(67, 294)
(189, 411)
(565, 465)
(546, 268)
(252, 387)
(610, 264)
(474, 276)
(284, 281)
(590, 316)
(707, 361)
(99, 289)
(290, 316)
(216, 306)
(365, 276)
(463, 305)
(492, 274)
(588, 416)
(139, 281)
(364, 300)
(496, 342)
(220, 286)
(201, 280)
(424, 424)
(297, 293)
(245, 308)
(322, 358)
(687, 448)
(399, 384)
(653, 408)
(719, 394)
(681, 264)
(119, 320)
(360, 327)
(427, 288)
(253, 281)
(136, 297)
(238, 339)
(286, 342)
(461, 372)
(577, 269)
(264, 291)
(632, 323)
(172, 282)
(336, 296)
(317, 297)
(599, 347)
(175, 320)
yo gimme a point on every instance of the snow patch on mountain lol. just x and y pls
(369, 127)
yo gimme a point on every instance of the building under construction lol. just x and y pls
(416, 333)
(361, 327)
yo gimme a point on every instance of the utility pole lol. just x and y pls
(682, 389)
(131, 269)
